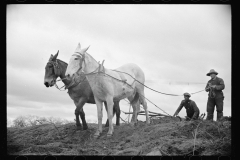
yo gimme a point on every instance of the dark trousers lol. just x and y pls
(190, 115)
(212, 102)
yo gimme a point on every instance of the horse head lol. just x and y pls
(77, 62)
(52, 71)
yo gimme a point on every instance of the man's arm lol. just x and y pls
(207, 88)
(195, 109)
(179, 109)
(221, 86)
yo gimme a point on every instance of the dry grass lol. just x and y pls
(168, 135)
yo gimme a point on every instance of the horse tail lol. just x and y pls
(135, 99)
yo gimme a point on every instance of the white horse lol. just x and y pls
(109, 85)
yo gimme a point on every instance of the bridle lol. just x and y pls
(56, 68)
(57, 72)
(82, 59)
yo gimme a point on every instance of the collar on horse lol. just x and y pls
(74, 82)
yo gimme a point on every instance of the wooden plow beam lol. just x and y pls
(153, 114)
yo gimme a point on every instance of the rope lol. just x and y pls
(156, 106)
(197, 92)
(147, 86)
(58, 87)
(129, 111)
(123, 120)
(140, 83)
(158, 91)
(93, 72)
(61, 79)
(73, 84)
(153, 104)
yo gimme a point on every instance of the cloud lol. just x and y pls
(170, 43)
(28, 85)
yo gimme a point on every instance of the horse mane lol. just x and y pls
(91, 57)
(62, 61)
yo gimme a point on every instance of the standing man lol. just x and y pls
(191, 107)
(215, 96)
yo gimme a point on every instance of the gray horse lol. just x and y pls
(79, 90)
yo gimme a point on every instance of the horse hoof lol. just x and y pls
(85, 128)
(79, 128)
(95, 136)
(109, 135)
(132, 124)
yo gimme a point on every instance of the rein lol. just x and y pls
(133, 78)
(73, 83)
(98, 68)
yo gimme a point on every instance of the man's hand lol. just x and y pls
(213, 86)
(187, 118)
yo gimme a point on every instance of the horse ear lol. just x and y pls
(78, 48)
(84, 50)
(55, 56)
(50, 59)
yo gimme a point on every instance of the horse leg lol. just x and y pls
(99, 113)
(78, 123)
(79, 111)
(138, 109)
(144, 103)
(82, 115)
(135, 112)
(107, 123)
(110, 115)
(116, 109)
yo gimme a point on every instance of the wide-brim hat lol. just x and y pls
(212, 71)
(187, 94)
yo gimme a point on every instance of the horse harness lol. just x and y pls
(57, 72)
(101, 69)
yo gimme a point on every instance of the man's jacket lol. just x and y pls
(218, 89)
(191, 108)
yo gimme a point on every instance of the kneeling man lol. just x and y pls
(191, 107)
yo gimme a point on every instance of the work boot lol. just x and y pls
(219, 115)
(209, 116)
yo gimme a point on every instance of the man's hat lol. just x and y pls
(212, 71)
(187, 94)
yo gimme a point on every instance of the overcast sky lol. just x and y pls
(173, 44)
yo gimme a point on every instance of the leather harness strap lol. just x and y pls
(122, 77)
